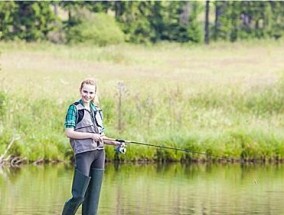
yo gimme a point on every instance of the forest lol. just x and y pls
(112, 22)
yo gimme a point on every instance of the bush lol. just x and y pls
(58, 35)
(98, 29)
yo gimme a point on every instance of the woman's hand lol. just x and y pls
(110, 141)
(115, 143)
(70, 133)
(97, 137)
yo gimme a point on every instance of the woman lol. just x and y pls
(84, 127)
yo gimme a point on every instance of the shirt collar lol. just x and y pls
(92, 105)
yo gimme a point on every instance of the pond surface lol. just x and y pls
(150, 189)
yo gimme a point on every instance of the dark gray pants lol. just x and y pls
(86, 161)
(87, 182)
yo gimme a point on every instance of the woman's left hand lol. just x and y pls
(111, 141)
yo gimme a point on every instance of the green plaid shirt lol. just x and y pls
(71, 116)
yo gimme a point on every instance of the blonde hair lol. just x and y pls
(93, 82)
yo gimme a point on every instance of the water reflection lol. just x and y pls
(150, 189)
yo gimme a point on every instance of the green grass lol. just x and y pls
(222, 100)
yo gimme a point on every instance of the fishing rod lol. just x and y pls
(122, 147)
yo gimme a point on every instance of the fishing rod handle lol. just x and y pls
(120, 140)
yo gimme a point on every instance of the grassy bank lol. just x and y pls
(222, 101)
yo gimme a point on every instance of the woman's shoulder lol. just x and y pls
(95, 106)
(76, 105)
(72, 108)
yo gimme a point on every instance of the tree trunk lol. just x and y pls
(217, 22)
(206, 39)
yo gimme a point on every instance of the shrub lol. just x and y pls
(98, 29)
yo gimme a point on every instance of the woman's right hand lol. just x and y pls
(97, 137)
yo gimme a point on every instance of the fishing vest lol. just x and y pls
(87, 121)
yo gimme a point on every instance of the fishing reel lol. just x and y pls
(121, 148)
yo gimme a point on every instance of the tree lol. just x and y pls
(276, 23)
(194, 28)
(7, 11)
(248, 19)
(155, 21)
(32, 20)
(135, 19)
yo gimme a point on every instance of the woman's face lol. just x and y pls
(88, 93)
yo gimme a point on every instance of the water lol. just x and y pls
(150, 189)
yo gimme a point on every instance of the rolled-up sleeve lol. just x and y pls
(70, 119)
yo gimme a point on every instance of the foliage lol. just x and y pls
(98, 29)
(7, 11)
(141, 21)
(135, 21)
(32, 21)
(156, 21)
(239, 20)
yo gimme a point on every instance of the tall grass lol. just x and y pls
(220, 102)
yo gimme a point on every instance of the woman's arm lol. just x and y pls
(70, 133)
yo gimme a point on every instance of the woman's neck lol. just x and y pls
(87, 105)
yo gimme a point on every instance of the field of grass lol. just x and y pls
(221, 100)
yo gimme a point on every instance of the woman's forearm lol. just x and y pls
(70, 133)
(110, 141)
